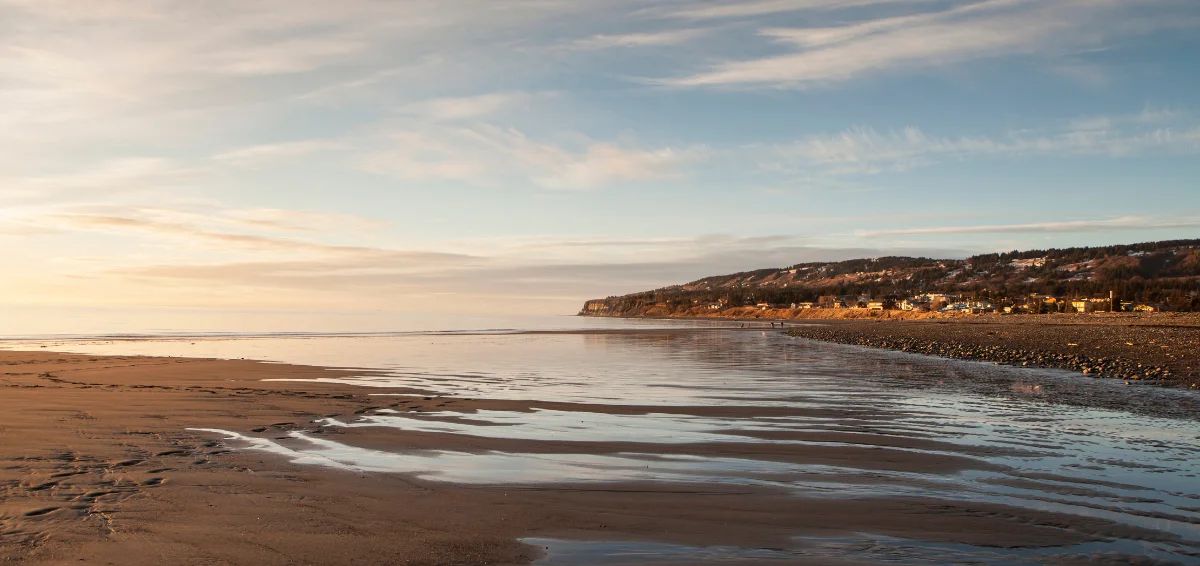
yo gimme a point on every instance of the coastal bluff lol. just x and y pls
(1144, 278)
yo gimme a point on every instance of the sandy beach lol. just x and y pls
(599, 283)
(103, 463)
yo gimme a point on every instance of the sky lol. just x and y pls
(423, 157)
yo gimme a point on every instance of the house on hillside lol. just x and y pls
(1038, 304)
(957, 307)
(1028, 263)
(1092, 305)
(855, 301)
(982, 306)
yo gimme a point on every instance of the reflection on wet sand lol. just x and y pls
(862, 549)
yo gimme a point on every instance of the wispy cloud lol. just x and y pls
(1149, 116)
(741, 9)
(1100, 225)
(302, 220)
(267, 153)
(645, 39)
(627, 250)
(954, 35)
(68, 69)
(866, 150)
(269, 231)
(464, 107)
(488, 153)
(246, 242)
(125, 174)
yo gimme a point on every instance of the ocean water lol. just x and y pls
(1044, 447)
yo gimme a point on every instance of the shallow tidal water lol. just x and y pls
(1043, 447)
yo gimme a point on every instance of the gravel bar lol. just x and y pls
(1162, 354)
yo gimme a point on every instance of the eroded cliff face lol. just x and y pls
(597, 307)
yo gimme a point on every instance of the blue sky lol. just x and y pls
(500, 156)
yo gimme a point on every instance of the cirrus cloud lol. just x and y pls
(1096, 225)
(923, 40)
(484, 153)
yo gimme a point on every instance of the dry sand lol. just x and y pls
(97, 467)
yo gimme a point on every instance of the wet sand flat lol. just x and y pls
(144, 460)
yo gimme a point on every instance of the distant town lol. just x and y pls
(932, 303)
(1145, 277)
(945, 303)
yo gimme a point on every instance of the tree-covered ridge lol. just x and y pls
(1163, 273)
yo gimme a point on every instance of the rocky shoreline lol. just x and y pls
(1153, 355)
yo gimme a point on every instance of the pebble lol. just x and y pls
(1093, 366)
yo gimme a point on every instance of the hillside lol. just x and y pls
(1163, 274)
